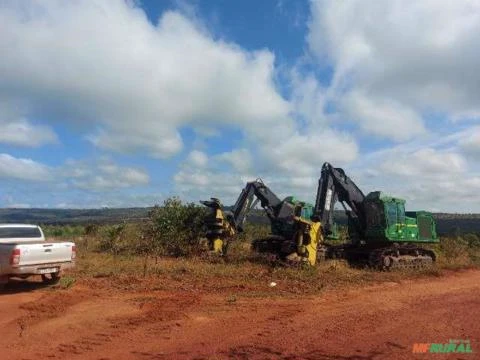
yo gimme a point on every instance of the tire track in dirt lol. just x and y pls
(377, 322)
(381, 321)
(138, 313)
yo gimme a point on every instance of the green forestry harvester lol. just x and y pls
(381, 233)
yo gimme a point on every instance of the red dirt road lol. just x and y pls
(377, 322)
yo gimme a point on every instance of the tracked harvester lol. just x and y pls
(381, 232)
(293, 236)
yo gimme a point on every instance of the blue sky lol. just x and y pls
(115, 103)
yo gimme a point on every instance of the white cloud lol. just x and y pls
(382, 117)
(105, 66)
(202, 184)
(426, 162)
(130, 86)
(22, 133)
(289, 167)
(304, 154)
(197, 158)
(101, 175)
(239, 159)
(405, 58)
(18, 131)
(23, 169)
(471, 143)
(308, 98)
(431, 177)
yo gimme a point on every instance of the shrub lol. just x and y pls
(110, 238)
(91, 229)
(173, 229)
(473, 240)
(454, 252)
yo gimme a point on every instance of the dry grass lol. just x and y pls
(247, 273)
(457, 253)
(243, 273)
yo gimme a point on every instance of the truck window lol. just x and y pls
(19, 232)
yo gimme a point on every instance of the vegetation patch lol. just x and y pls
(166, 251)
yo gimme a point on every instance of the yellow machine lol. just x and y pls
(294, 237)
(307, 238)
(219, 228)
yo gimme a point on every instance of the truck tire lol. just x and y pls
(52, 278)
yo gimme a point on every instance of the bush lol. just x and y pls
(111, 237)
(173, 229)
(456, 252)
(473, 240)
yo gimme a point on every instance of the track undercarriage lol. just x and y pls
(408, 256)
(389, 257)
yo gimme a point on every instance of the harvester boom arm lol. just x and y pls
(334, 185)
(246, 201)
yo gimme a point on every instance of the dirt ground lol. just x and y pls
(380, 321)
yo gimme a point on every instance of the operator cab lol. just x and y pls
(386, 220)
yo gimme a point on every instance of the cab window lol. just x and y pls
(391, 213)
(374, 215)
(401, 213)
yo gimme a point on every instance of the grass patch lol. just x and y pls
(249, 274)
(66, 282)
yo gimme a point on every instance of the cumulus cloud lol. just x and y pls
(240, 159)
(130, 85)
(309, 98)
(384, 117)
(471, 143)
(197, 158)
(103, 65)
(198, 184)
(405, 59)
(433, 177)
(304, 154)
(425, 162)
(23, 169)
(22, 133)
(17, 130)
(102, 175)
(398, 68)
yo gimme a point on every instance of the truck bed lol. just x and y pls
(41, 252)
(36, 258)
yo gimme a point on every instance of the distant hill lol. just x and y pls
(72, 216)
(446, 223)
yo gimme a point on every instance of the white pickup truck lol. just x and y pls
(24, 252)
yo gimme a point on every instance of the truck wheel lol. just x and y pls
(52, 279)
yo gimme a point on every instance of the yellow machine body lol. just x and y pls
(220, 229)
(307, 238)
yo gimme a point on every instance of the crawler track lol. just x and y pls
(401, 257)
